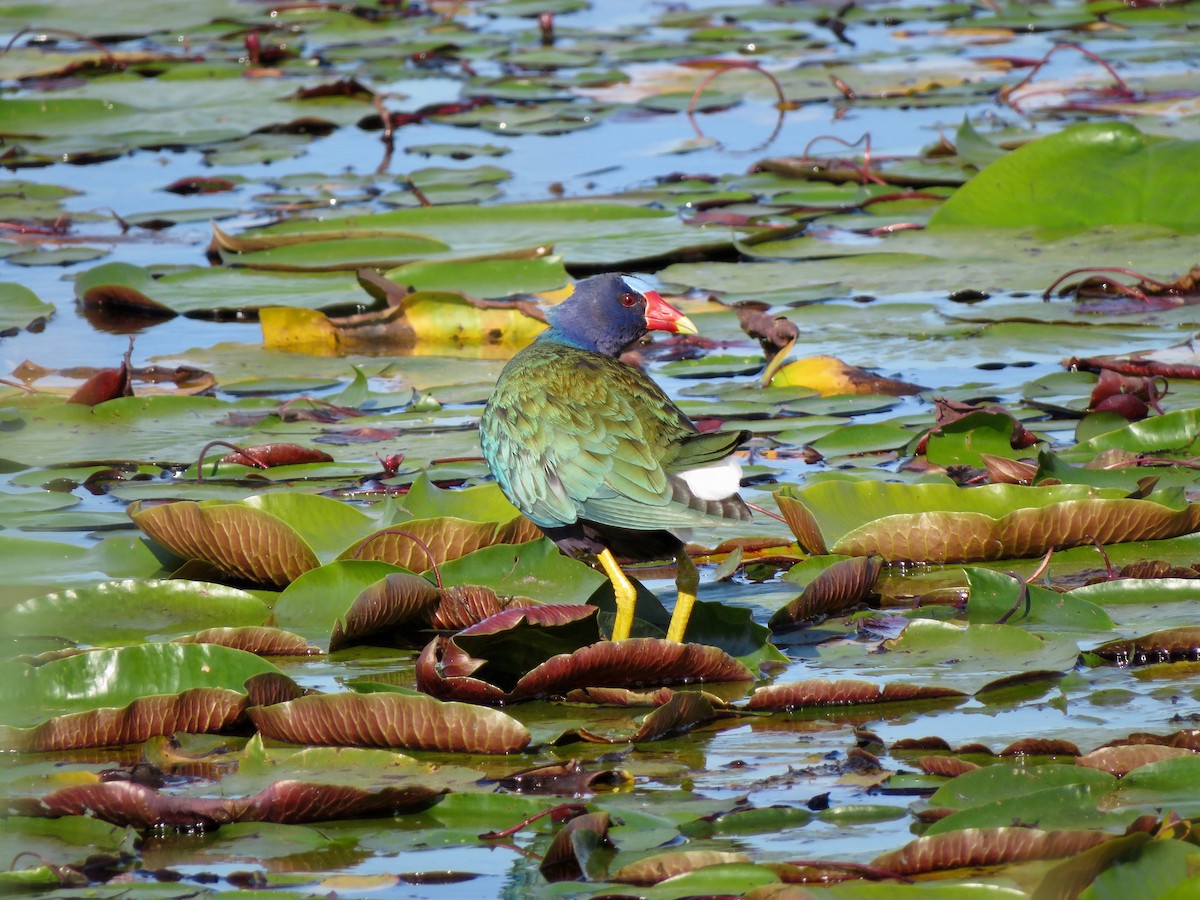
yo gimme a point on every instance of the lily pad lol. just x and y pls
(939, 523)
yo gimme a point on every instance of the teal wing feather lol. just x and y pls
(573, 434)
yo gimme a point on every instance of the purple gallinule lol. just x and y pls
(597, 455)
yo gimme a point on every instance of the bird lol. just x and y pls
(597, 455)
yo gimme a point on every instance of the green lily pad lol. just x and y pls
(1103, 173)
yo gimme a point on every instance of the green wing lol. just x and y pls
(572, 434)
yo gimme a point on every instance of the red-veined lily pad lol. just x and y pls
(543, 651)
(138, 806)
(844, 692)
(257, 639)
(269, 539)
(198, 710)
(985, 847)
(317, 604)
(422, 543)
(1121, 761)
(840, 587)
(684, 711)
(350, 601)
(391, 720)
(944, 523)
(397, 599)
(661, 866)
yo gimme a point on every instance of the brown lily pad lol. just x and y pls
(843, 692)
(940, 524)
(446, 669)
(946, 766)
(198, 711)
(566, 857)
(1121, 761)
(231, 537)
(266, 456)
(1171, 645)
(662, 866)
(842, 586)
(463, 605)
(260, 640)
(683, 712)
(128, 804)
(423, 543)
(972, 847)
(569, 778)
(391, 721)
(394, 600)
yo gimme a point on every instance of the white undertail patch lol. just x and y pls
(715, 482)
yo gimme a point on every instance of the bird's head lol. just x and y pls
(605, 314)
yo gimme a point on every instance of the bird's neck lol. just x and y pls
(556, 335)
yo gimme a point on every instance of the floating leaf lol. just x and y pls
(135, 805)
(423, 543)
(198, 710)
(940, 523)
(840, 587)
(1098, 173)
(985, 847)
(117, 610)
(266, 539)
(819, 692)
(390, 720)
(100, 678)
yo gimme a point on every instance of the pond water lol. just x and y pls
(918, 71)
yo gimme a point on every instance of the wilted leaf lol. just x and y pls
(831, 377)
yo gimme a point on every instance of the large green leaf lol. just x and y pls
(117, 677)
(1103, 173)
(119, 610)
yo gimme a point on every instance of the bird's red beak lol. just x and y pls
(662, 316)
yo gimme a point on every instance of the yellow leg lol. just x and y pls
(687, 580)
(625, 592)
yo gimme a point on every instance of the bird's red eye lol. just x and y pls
(629, 299)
